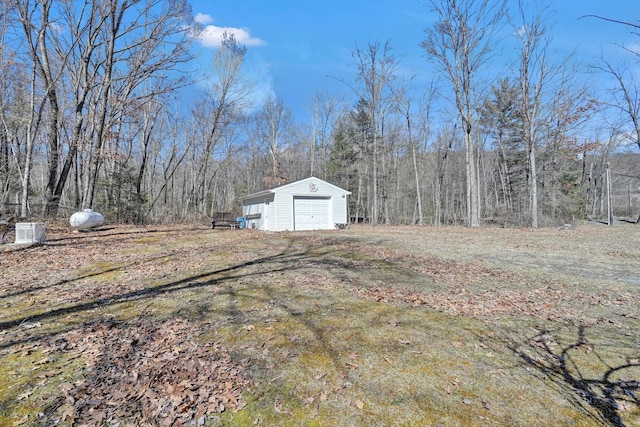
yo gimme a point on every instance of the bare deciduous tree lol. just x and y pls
(37, 33)
(626, 98)
(414, 133)
(324, 112)
(459, 44)
(275, 125)
(533, 73)
(377, 69)
(217, 113)
(144, 41)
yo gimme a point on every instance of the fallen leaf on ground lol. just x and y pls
(150, 371)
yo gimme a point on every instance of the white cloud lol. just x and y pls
(203, 18)
(211, 36)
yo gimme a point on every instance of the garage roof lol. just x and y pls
(284, 186)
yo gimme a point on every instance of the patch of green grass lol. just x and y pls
(372, 361)
(29, 379)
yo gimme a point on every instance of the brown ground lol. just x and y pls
(183, 323)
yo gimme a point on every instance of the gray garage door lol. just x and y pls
(311, 213)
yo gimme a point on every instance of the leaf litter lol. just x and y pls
(148, 373)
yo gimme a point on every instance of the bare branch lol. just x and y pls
(612, 20)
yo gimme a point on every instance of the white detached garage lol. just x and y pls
(308, 204)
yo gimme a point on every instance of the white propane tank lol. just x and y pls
(86, 219)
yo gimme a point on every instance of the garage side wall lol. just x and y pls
(340, 203)
(257, 212)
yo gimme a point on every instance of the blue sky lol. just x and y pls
(295, 45)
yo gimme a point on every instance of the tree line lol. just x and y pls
(91, 116)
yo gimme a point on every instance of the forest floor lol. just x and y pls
(375, 326)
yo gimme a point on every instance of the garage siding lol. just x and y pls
(339, 209)
(259, 205)
(309, 204)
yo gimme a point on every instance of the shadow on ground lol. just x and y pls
(611, 392)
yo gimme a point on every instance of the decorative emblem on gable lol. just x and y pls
(313, 187)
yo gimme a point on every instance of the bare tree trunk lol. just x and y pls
(416, 175)
(374, 178)
(30, 140)
(534, 186)
(473, 209)
(358, 213)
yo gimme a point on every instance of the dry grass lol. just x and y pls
(371, 326)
